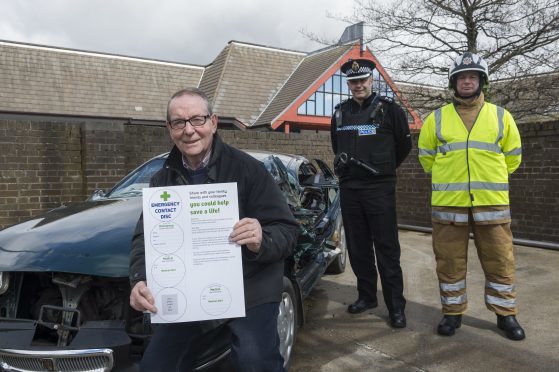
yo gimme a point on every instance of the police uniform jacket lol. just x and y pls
(375, 133)
(259, 197)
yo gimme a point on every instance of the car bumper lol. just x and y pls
(57, 360)
(97, 346)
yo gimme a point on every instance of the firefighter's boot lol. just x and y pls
(448, 324)
(509, 324)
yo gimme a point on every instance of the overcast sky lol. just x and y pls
(188, 31)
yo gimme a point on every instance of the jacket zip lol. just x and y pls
(180, 177)
(468, 154)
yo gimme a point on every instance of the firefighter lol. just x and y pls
(470, 147)
(370, 137)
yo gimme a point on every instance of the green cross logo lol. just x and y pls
(165, 196)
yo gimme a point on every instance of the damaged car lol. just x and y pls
(64, 288)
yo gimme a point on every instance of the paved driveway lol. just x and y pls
(333, 340)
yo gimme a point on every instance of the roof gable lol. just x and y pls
(250, 76)
(311, 74)
(213, 73)
(306, 74)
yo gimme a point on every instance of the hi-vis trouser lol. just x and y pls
(493, 240)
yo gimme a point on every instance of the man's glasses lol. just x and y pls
(195, 121)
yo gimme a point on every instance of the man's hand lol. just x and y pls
(248, 232)
(141, 298)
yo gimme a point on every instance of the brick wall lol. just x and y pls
(534, 187)
(46, 163)
(413, 191)
(103, 158)
(144, 142)
(40, 167)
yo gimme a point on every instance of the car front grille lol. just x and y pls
(91, 360)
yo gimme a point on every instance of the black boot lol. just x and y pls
(448, 324)
(509, 324)
(397, 319)
(361, 305)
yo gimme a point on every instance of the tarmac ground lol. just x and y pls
(334, 340)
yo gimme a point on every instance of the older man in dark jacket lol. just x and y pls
(266, 232)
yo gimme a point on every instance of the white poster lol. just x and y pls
(193, 270)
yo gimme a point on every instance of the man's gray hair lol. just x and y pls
(190, 92)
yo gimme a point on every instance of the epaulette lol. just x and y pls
(387, 99)
(340, 104)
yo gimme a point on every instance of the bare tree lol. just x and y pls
(418, 39)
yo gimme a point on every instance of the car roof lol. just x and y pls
(291, 161)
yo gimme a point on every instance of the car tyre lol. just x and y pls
(337, 266)
(288, 321)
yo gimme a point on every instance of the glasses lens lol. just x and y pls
(197, 121)
(178, 124)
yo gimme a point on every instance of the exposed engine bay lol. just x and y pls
(60, 303)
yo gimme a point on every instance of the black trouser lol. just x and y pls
(254, 343)
(371, 229)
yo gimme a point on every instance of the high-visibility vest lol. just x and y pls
(470, 168)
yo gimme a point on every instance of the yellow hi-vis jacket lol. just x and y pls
(470, 168)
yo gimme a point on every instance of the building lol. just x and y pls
(72, 122)
(251, 86)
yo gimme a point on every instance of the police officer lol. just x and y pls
(471, 146)
(370, 137)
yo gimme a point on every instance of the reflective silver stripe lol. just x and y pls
(447, 287)
(471, 144)
(489, 186)
(494, 147)
(447, 147)
(438, 125)
(508, 303)
(423, 152)
(485, 146)
(501, 288)
(500, 115)
(464, 186)
(449, 216)
(450, 186)
(516, 151)
(458, 300)
(491, 216)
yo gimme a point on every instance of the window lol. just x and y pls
(323, 101)
(335, 90)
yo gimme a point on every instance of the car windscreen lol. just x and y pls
(137, 180)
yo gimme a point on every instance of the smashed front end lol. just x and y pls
(66, 322)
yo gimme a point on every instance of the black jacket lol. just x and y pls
(376, 136)
(259, 197)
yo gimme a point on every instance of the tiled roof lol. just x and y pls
(35, 79)
(245, 77)
(210, 79)
(248, 84)
(310, 69)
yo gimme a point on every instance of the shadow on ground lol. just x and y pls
(333, 340)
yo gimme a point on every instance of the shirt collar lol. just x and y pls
(203, 163)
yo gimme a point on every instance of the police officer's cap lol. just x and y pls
(358, 69)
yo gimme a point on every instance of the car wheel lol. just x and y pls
(288, 320)
(337, 266)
